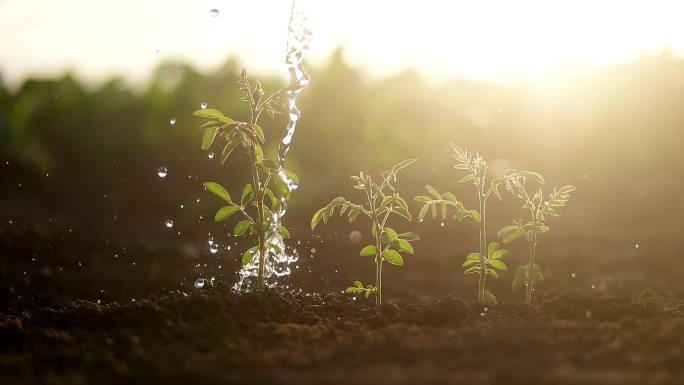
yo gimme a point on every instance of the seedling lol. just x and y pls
(516, 182)
(489, 257)
(262, 200)
(382, 201)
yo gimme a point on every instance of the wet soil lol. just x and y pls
(217, 336)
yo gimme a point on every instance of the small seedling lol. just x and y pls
(262, 200)
(382, 201)
(528, 274)
(489, 257)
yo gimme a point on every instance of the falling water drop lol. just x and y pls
(213, 248)
(214, 12)
(211, 155)
(211, 241)
(199, 283)
(162, 171)
(168, 223)
(172, 121)
(203, 105)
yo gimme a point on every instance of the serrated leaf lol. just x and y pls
(218, 190)
(368, 251)
(242, 227)
(393, 257)
(225, 212)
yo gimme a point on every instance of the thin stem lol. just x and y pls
(530, 266)
(483, 246)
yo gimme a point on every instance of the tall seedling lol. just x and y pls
(528, 274)
(265, 197)
(489, 257)
(382, 200)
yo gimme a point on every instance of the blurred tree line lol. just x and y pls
(91, 154)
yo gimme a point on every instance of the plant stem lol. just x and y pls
(530, 266)
(483, 246)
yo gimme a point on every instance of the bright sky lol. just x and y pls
(507, 41)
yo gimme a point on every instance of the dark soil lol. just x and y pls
(217, 336)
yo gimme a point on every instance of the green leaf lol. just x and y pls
(242, 227)
(226, 120)
(368, 251)
(497, 264)
(494, 246)
(317, 217)
(433, 192)
(358, 284)
(208, 113)
(473, 256)
(291, 175)
(492, 273)
(408, 236)
(532, 175)
(284, 232)
(388, 235)
(400, 210)
(404, 245)
(218, 190)
(423, 212)
(248, 255)
(227, 150)
(393, 257)
(509, 234)
(472, 270)
(353, 213)
(225, 212)
(259, 132)
(471, 262)
(247, 194)
(466, 179)
(475, 215)
(208, 138)
(500, 254)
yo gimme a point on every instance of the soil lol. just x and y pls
(218, 336)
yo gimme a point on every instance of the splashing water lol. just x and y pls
(277, 259)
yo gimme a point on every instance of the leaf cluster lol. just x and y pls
(490, 263)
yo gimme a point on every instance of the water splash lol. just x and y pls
(277, 258)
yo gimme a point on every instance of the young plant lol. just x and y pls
(263, 199)
(489, 257)
(530, 273)
(382, 200)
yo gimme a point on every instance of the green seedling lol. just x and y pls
(382, 200)
(263, 199)
(528, 274)
(488, 259)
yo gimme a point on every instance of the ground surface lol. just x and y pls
(215, 336)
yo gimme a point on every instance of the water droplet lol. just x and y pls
(214, 12)
(211, 155)
(172, 121)
(211, 241)
(573, 275)
(637, 245)
(355, 237)
(162, 172)
(213, 248)
(168, 223)
(199, 283)
(593, 286)
(442, 224)
(588, 314)
(313, 250)
(203, 105)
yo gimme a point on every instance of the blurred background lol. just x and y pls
(95, 98)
